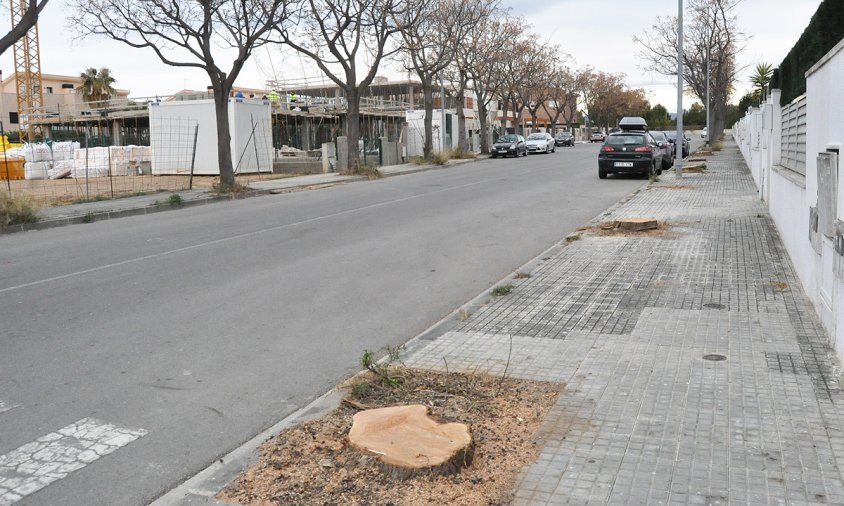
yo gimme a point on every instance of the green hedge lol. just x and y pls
(825, 30)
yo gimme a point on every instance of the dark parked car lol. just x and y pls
(665, 147)
(629, 151)
(509, 144)
(672, 138)
(564, 139)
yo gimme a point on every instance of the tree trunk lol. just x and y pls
(482, 116)
(506, 103)
(353, 129)
(224, 144)
(428, 101)
(462, 141)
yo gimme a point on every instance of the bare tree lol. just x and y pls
(28, 17)
(608, 99)
(457, 74)
(429, 44)
(336, 35)
(184, 33)
(563, 95)
(711, 35)
(540, 61)
(485, 47)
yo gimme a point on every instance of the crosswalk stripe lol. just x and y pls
(52, 457)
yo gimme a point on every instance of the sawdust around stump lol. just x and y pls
(313, 463)
(609, 229)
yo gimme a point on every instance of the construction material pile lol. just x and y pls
(66, 159)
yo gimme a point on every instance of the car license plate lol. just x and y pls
(623, 164)
(502, 150)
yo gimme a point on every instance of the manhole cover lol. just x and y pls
(713, 305)
(714, 357)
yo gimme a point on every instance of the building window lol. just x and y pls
(67, 86)
(13, 118)
(49, 89)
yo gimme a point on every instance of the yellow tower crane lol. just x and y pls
(27, 56)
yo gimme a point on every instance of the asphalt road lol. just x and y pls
(196, 329)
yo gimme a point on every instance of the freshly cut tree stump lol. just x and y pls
(637, 224)
(407, 442)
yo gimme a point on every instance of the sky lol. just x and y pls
(597, 33)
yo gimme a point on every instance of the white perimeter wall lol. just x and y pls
(790, 195)
(172, 127)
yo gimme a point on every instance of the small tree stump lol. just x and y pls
(637, 224)
(407, 442)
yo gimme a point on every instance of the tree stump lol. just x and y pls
(407, 442)
(637, 224)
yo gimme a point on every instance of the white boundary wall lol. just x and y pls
(773, 143)
(172, 127)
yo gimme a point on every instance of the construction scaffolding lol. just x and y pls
(27, 57)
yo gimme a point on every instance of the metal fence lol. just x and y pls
(794, 135)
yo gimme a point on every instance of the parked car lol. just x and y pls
(665, 147)
(629, 151)
(705, 133)
(540, 143)
(597, 136)
(564, 139)
(672, 138)
(509, 144)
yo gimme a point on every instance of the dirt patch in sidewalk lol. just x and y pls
(609, 229)
(313, 463)
(672, 187)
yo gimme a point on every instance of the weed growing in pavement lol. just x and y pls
(381, 370)
(572, 237)
(176, 200)
(16, 210)
(460, 153)
(439, 158)
(370, 171)
(463, 315)
(418, 160)
(653, 178)
(89, 217)
(522, 275)
(502, 290)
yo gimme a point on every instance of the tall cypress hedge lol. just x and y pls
(825, 30)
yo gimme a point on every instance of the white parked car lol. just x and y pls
(540, 143)
(705, 133)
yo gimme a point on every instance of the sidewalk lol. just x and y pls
(696, 371)
(626, 323)
(143, 204)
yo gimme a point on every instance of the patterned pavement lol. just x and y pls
(630, 325)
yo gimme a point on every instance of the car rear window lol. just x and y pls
(626, 140)
(659, 136)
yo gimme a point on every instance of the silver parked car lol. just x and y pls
(666, 147)
(540, 143)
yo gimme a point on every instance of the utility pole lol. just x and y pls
(678, 144)
(708, 56)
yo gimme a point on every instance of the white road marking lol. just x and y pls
(35, 465)
(4, 407)
(235, 237)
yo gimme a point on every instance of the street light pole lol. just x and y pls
(708, 130)
(678, 144)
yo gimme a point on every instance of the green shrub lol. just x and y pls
(15, 210)
(825, 30)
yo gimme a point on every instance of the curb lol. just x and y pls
(203, 486)
(209, 199)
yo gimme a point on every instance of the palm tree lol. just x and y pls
(96, 85)
(760, 79)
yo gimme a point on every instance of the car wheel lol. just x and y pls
(602, 174)
(493, 156)
(554, 149)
